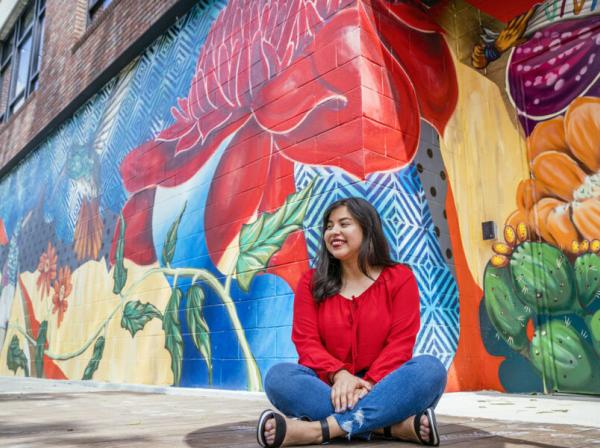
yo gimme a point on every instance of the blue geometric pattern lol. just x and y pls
(400, 200)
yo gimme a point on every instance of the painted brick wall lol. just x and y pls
(159, 232)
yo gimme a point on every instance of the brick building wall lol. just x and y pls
(78, 59)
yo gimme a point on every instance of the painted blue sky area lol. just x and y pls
(161, 75)
(265, 311)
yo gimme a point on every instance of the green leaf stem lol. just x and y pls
(120, 273)
(198, 326)
(173, 339)
(95, 359)
(40, 346)
(170, 243)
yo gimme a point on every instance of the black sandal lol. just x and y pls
(434, 436)
(281, 428)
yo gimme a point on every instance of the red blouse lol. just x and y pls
(375, 331)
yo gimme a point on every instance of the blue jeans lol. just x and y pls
(417, 385)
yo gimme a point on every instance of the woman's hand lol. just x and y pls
(347, 389)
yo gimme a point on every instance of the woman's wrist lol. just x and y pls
(334, 375)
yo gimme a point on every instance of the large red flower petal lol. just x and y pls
(159, 162)
(137, 214)
(414, 44)
(280, 183)
(237, 188)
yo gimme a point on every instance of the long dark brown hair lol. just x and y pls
(374, 250)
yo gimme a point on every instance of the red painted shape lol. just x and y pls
(291, 261)
(3, 236)
(137, 214)
(418, 57)
(530, 329)
(51, 370)
(504, 10)
(473, 367)
(343, 84)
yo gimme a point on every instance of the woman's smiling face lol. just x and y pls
(343, 235)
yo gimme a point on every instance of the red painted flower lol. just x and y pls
(62, 289)
(47, 270)
(338, 83)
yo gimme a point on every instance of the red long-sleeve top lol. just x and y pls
(374, 332)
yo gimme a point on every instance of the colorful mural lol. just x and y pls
(158, 236)
(195, 241)
(541, 287)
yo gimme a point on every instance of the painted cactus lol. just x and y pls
(507, 313)
(533, 282)
(559, 352)
(593, 323)
(543, 276)
(587, 276)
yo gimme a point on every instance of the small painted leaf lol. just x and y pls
(15, 357)
(173, 339)
(120, 273)
(171, 242)
(137, 314)
(92, 366)
(198, 326)
(265, 236)
(40, 346)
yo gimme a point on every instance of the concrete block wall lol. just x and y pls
(150, 236)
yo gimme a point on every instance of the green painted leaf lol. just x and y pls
(92, 366)
(198, 326)
(15, 357)
(173, 339)
(171, 242)
(120, 273)
(137, 314)
(265, 236)
(40, 346)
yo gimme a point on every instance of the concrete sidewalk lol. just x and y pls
(45, 413)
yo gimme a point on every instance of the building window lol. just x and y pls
(20, 59)
(95, 7)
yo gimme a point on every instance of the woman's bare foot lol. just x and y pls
(297, 432)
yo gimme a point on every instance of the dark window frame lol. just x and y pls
(9, 58)
(95, 8)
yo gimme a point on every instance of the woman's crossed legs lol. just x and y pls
(298, 392)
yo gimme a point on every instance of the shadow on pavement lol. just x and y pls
(34, 397)
(62, 434)
(243, 435)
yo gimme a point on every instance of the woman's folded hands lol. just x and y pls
(347, 389)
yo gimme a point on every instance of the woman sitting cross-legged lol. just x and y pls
(356, 318)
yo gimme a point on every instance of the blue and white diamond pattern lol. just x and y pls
(400, 200)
